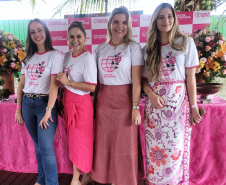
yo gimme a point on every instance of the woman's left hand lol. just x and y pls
(44, 122)
(62, 78)
(195, 116)
(136, 118)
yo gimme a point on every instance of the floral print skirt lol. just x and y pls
(167, 134)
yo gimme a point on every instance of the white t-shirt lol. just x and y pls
(39, 69)
(174, 62)
(115, 66)
(81, 68)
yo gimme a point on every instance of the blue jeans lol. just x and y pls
(33, 110)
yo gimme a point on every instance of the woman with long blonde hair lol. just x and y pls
(169, 82)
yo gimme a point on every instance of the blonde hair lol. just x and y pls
(121, 10)
(153, 50)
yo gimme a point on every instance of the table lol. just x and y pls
(16, 146)
(208, 144)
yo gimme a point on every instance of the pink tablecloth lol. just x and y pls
(208, 146)
(17, 149)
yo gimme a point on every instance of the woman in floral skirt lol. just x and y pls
(169, 82)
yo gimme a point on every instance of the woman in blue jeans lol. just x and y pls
(36, 98)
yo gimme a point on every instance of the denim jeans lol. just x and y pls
(33, 110)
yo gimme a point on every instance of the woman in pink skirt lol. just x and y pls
(120, 63)
(79, 79)
(171, 60)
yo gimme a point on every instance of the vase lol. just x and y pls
(199, 78)
(9, 82)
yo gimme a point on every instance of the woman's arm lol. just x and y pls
(53, 90)
(191, 88)
(76, 85)
(18, 115)
(156, 101)
(136, 89)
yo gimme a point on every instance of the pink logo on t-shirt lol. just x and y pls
(168, 64)
(68, 70)
(34, 72)
(111, 63)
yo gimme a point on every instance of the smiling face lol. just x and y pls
(119, 27)
(76, 39)
(38, 34)
(165, 20)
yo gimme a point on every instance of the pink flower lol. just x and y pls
(10, 37)
(13, 59)
(195, 35)
(220, 42)
(213, 54)
(203, 59)
(207, 39)
(207, 48)
(211, 44)
(212, 37)
(43, 62)
(200, 43)
(12, 65)
(223, 71)
(16, 51)
(223, 58)
(41, 68)
(172, 60)
(170, 53)
(5, 50)
(221, 38)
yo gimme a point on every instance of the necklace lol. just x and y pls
(115, 45)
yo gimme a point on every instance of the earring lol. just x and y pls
(85, 43)
(67, 42)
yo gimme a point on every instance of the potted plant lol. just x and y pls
(5, 93)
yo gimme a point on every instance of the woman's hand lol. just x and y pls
(157, 102)
(19, 118)
(44, 122)
(136, 118)
(62, 78)
(195, 116)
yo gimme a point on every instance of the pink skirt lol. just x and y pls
(116, 138)
(78, 115)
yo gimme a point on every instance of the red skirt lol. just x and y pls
(78, 115)
(116, 137)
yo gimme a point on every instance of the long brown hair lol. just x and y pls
(121, 10)
(153, 61)
(31, 47)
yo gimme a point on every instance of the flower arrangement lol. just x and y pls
(211, 48)
(12, 53)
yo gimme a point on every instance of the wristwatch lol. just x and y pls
(47, 108)
(136, 107)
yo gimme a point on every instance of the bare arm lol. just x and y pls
(156, 101)
(18, 115)
(53, 90)
(191, 88)
(76, 85)
(136, 89)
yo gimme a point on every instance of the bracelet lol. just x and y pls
(18, 107)
(69, 83)
(47, 108)
(193, 106)
(136, 107)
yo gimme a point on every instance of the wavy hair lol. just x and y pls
(31, 47)
(121, 10)
(153, 50)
